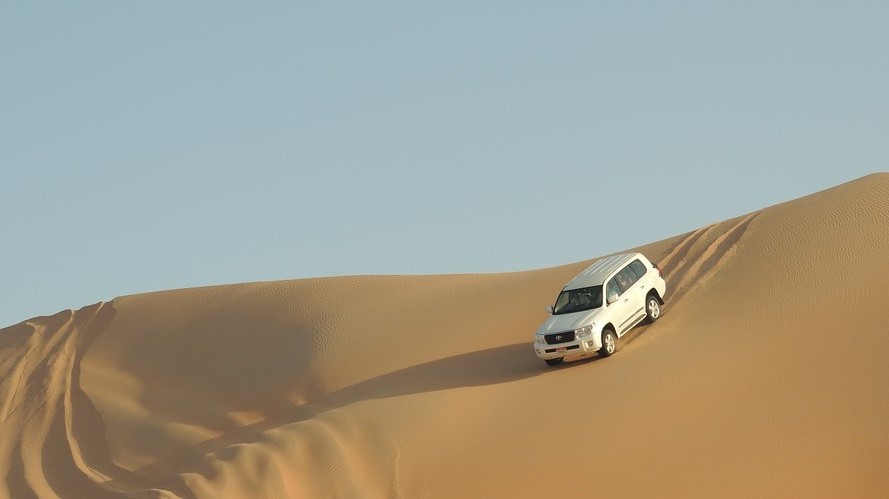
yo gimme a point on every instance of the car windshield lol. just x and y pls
(578, 300)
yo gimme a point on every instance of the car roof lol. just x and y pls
(596, 273)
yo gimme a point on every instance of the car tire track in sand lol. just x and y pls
(675, 258)
(692, 260)
(57, 450)
(695, 261)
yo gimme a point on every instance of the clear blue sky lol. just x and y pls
(159, 145)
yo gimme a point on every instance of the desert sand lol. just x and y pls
(767, 376)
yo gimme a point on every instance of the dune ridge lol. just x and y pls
(765, 377)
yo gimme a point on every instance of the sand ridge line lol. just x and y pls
(431, 379)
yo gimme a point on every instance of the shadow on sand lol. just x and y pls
(484, 367)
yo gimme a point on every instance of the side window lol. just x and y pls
(612, 288)
(625, 278)
(639, 268)
(631, 274)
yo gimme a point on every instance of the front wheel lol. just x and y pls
(554, 362)
(609, 343)
(652, 308)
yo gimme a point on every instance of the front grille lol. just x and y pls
(569, 347)
(556, 338)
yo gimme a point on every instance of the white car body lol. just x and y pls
(587, 308)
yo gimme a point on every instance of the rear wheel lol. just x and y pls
(609, 343)
(554, 362)
(652, 307)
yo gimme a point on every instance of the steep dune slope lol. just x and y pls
(765, 376)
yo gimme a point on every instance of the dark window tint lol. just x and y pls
(576, 300)
(639, 268)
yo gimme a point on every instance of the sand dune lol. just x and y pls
(766, 377)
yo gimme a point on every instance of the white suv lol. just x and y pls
(583, 323)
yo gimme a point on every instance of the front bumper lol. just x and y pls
(581, 346)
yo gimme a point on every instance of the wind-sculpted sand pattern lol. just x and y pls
(766, 377)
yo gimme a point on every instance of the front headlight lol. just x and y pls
(538, 338)
(584, 331)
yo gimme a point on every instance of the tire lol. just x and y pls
(652, 308)
(609, 343)
(554, 362)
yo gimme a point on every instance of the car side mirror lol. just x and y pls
(549, 308)
(612, 297)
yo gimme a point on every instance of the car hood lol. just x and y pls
(568, 322)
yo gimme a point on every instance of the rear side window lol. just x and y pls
(639, 268)
(625, 278)
(630, 274)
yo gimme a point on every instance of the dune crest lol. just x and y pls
(766, 376)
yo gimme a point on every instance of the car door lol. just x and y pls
(644, 283)
(621, 308)
(635, 291)
(632, 301)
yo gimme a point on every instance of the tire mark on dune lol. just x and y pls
(29, 337)
(24, 403)
(53, 438)
(698, 264)
(716, 254)
(680, 249)
(14, 374)
(47, 367)
(676, 257)
(12, 466)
